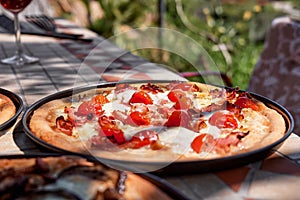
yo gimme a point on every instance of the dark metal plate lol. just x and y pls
(177, 167)
(17, 100)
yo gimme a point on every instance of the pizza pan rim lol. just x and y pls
(19, 104)
(189, 166)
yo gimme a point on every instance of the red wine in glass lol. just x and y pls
(15, 7)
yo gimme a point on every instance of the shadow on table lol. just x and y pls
(28, 146)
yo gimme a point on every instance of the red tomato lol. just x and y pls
(221, 119)
(100, 99)
(245, 102)
(179, 118)
(231, 107)
(142, 138)
(203, 143)
(109, 128)
(181, 101)
(183, 104)
(175, 95)
(136, 119)
(141, 97)
(107, 122)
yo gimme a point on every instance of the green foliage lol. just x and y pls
(240, 29)
(232, 34)
(120, 12)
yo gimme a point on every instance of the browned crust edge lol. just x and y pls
(7, 109)
(41, 128)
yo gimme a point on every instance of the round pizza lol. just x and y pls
(71, 178)
(7, 108)
(158, 122)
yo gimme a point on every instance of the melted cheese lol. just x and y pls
(119, 102)
(202, 100)
(212, 130)
(161, 98)
(257, 128)
(61, 113)
(260, 122)
(124, 96)
(178, 139)
(86, 131)
(110, 107)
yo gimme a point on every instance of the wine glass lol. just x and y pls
(20, 58)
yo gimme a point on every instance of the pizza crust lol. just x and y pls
(42, 125)
(7, 109)
(273, 129)
(276, 129)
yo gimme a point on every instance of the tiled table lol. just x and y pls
(277, 177)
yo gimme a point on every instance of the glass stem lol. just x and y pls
(18, 35)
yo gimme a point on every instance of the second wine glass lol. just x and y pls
(20, 58)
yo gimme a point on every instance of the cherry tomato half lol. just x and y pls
(178, 118)
(222, 119)
(181, 101)
(100, 99)
(141, 97)
(245, 102)
(203, 143)
(137, 118)
(176, 95)
(183, 104)
(109, 128)
(143, 138)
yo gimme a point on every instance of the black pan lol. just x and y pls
(177, 167)
(17, 100)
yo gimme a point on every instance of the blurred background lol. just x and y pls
(232, 31)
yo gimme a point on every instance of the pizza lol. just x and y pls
(7, 108)
(158, 122)
(71, 178)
